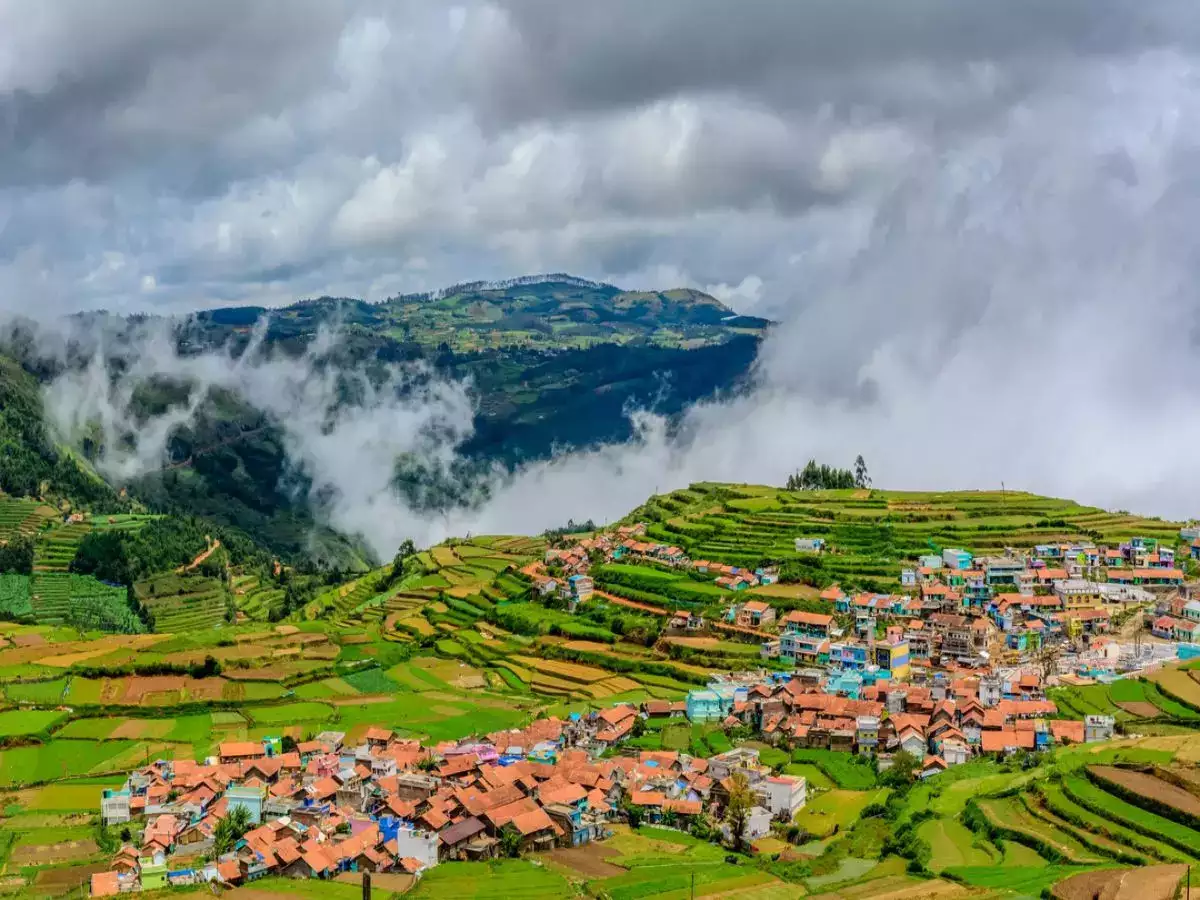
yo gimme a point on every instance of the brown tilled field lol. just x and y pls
(590, 861)
(45, 854)
(1141, 709)
(1149, 786)
(1143, 883)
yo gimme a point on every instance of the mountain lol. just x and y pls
(553, 362)
(550, 313)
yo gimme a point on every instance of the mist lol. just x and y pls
(1019, 308)
(976, 229)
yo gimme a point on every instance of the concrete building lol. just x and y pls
(114, 806)
(783, 795)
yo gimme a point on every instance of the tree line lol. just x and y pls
(824, 477)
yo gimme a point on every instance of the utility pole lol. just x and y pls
(693, 892)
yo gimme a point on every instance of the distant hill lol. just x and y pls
(554, 362)
(552, 312)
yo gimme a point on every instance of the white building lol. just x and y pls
(784, 795)
(420, 845)
(1098, 728)
(114, 806)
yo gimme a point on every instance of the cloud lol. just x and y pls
(973, 221)
(347, 449)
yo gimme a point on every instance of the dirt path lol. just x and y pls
(621, 601)
(199, 560)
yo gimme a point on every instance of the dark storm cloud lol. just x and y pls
(960, 211)
(94, 90)
(173, 155)
(547, 57)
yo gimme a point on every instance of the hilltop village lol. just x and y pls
(957, 664)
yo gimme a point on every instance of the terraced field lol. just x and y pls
(22, 516)
(1131, 698)
(55, 549)
(256, 600)
(182, 603)
(873, 532)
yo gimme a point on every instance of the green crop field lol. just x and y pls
(847, 771)
(28, 721)
(498, 880)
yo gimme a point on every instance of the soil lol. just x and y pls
(1149, 786)
(1141, 709)
(383, 881)
(68, 878)
(699, 643)
(43, 854)
(589, 860)
(1145, 883)
(359, 700)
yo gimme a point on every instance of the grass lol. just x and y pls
(306, 888)
(1016, 881)
(1088, 795)
(815, 777)
(58, 759)
(1010, 813)
(836, 809)
(494, 880)
(287, 713)
(28, 721)
(953, 845)
(43, 692)
(845, 770)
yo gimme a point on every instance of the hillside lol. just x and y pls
(553, 362)
(552, 312)
(464, 639)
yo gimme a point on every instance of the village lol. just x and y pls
(953, 666)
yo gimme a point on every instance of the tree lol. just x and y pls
(427, 764)
(639, 727)
(901, 772)
(861, 478)
(634, 814)
(510, 841)
(405, 550)
(230, 829)
(737, 810)
(820, 476)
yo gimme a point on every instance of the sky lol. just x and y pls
(975, 222)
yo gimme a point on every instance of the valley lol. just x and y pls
(682, 636)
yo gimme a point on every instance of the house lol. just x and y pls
(892, 657)
(758, 823)
(908, 578)
(1163, 627)
(955, 752)
(816, 625)
(579, 588)
(249, 798)
(1098, 728)
(956, 559)
(912, 741)
(783, 795)
(685, 620)
(115, 806)
(709, 704)
(810, 545)
(932, 766)
(240, 751)
(755, 614)
(866, 733)
(457, 841)
(537, 830)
